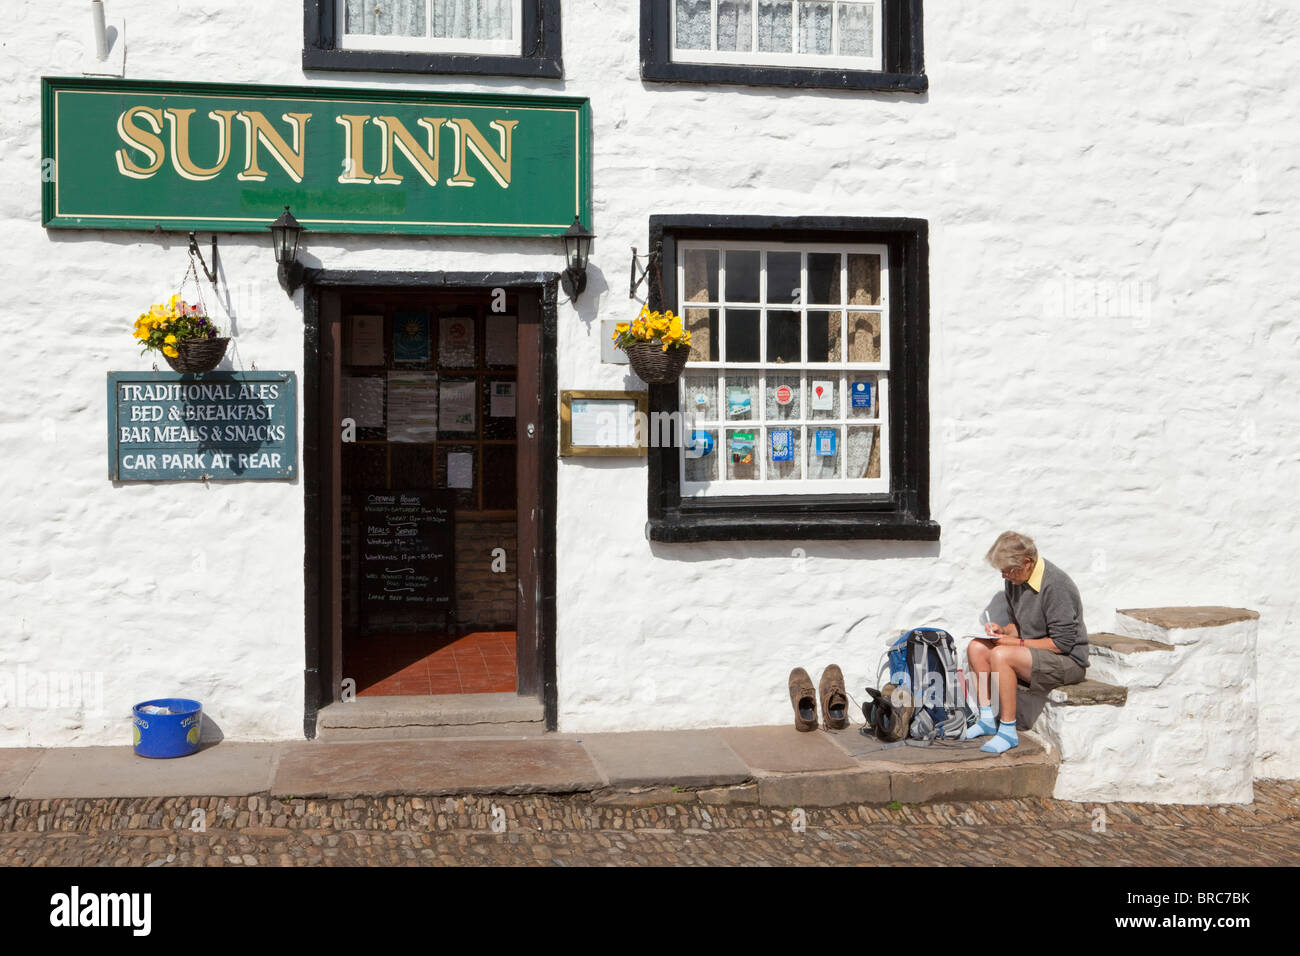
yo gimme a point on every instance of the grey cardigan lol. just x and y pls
(1055, 611)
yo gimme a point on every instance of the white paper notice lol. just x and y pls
(503, 400)
(602, 424)
(823, 396)
(460, 469)
(500, 345)
(363, 400)
(367, 340)
(412, 406)
(456, 407)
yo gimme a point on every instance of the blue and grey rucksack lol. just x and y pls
(924, 661)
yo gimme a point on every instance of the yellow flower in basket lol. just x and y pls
(170, 351)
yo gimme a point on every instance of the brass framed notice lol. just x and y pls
(604, 423)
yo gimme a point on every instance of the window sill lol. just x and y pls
(683, 526)
(384, 61)
(806, 78)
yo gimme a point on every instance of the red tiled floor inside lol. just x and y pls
(390, 665)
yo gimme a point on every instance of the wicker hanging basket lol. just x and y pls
(653, 365)
(198, 355)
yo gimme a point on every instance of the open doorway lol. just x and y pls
(432, 504)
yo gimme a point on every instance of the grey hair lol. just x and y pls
(1011, 549)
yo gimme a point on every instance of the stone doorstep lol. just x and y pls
(1087, 693)
(439, 710)
(1186, 618)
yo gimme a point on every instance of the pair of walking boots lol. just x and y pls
(834, 699)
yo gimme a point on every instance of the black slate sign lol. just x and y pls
(407, 550)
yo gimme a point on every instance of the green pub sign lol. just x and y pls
(181, 156)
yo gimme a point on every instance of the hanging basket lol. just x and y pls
(198, 355)
(653, 365)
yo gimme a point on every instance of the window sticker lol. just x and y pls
(742, 448)
(782, 444)
(700, 445)
(823, 395)
(824, 442)
(738, 401)
(861, 394)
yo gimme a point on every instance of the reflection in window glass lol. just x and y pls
(734, 26)
(823, 278)
(703, 326)
(864, 280)
(824, 336)
(864, 337)
(692, 22)
(783, 277)
(782, 336)
(742, 336)
(742, 276)
(701, 276)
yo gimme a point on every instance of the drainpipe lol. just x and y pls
(101, 31)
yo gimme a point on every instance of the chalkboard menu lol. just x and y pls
(408, 550)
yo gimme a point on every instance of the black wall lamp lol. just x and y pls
(285, 233)
(577, 246)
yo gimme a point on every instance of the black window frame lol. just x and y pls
(904, 60)
(540, 43)
(903, 512)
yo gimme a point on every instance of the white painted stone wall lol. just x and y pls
(1187, 732)
(1111, 192)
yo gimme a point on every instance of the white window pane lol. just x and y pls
(775, 25)
(856, 29)
(823, 278)
(742, 454)
(702, 453)
(742, 276)
(783, 398)
(863, 453)
(701, 395)
(864, 395)
(701, 275)
(384, 17)
(473, 19)
(864, 280)
(815, 28)
(742, 397)
(824, 452)
(734, 25)
(782, 336)
(693, 27)
(782, 453)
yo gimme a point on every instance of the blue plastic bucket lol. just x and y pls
(171, 734)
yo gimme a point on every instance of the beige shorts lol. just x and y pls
(1050, 669)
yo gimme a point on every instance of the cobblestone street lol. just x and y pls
(583, 830)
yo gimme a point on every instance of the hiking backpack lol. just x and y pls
(922, 665)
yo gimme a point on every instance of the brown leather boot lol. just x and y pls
(834, 699)
(804, 698)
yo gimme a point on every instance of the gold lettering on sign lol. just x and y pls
(259, 131)
(354, 167)
(180, 142)
(148, 143)
(398, 137)
(469, 139)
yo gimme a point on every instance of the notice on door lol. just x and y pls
(408, 554)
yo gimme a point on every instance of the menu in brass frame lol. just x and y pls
(604, 423)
